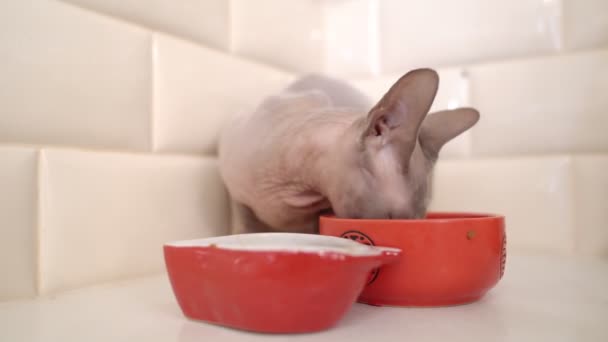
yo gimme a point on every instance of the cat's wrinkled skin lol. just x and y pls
(317, 146)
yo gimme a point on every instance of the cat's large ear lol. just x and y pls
(395, 121)
(439, 128)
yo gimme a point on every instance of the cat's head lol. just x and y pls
(384, 162)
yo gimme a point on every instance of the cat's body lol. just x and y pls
(312, 147)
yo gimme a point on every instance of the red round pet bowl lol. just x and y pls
(271, 282)
(447, 258)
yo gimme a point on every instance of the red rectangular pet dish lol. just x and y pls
(271, 282)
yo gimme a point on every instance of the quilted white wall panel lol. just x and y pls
(453, 92)
(70, 76)
(351, 36)
(585, 23)
(591, 204)
(197, 89)
(535, 194)
(542, 105)
(204, 21)
(287, 34)
(436, 32)
(107, 215)
(18, 236)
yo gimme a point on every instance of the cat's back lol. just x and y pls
(306, 97)
(253, 144)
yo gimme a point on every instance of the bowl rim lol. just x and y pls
(450, 217)
(286, 242)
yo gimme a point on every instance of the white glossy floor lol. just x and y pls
(541, 298)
